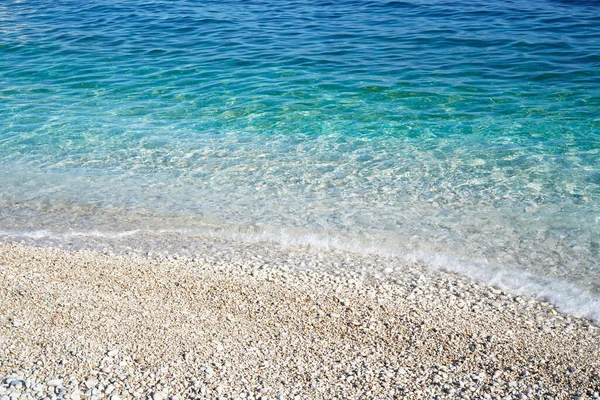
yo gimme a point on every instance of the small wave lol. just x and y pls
(566, 296)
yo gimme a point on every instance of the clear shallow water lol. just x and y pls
(465, 135)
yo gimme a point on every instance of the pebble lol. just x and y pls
(112, 353)
(76, 395)
(333, 339)
(91, 383)
(158, 396)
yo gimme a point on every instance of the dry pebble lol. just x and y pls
(252, 321)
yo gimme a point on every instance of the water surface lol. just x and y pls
(466, 135)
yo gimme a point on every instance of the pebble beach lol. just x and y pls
(351, 199)
(259, 321)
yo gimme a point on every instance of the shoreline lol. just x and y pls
(268, 322)
(570, 297)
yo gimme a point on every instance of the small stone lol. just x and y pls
(112, 353)
(91, 383)
(158, 396)
(55, 382)
(17, 384)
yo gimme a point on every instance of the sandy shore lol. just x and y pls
(266, 322)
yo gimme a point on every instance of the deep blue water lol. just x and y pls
(463, 134)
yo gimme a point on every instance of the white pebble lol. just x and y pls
(112, 353)
(17, 384)
(55, 382)
(91, 383)
(158, 396)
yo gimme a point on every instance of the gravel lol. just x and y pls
(264, 322)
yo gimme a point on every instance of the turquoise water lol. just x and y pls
(465, 135)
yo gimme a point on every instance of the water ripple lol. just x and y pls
(468, 130)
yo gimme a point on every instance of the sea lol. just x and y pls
(463, 135)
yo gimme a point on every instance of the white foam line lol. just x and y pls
(567, 297)
(44, 234)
